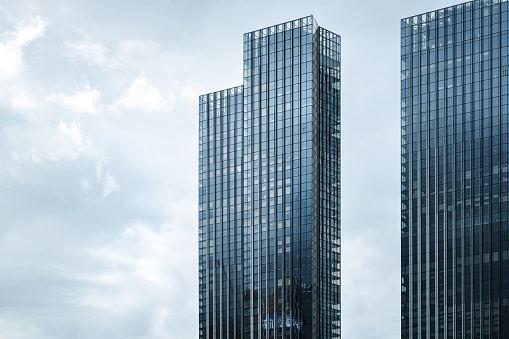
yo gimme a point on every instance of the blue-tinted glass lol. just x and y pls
(273, 245)
(455, 282)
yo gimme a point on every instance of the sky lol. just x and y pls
(99, 150)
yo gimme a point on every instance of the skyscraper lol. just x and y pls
(455, 172)
(269, 190)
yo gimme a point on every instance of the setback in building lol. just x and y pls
(269, 190)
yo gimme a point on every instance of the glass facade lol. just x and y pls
(455, 172)
(269, 190)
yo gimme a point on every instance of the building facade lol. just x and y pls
(455, 172)
(269, 190)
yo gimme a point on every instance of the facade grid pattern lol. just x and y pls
(220, 211)
(276, 219)
(455, 172)
(328, 185)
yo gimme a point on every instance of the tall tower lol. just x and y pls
(455, 172)
(269, 190)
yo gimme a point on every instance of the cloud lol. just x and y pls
(99, 184)
(143, 96)
(14, 328)
(23, 101)
(137, 55)
(189, 93)
(89, 50)
(12, 43)
(148, 259)
(71, 141)
(135, 254)
(84, 100)
(126, 54)
(108, 182)
(50, 143)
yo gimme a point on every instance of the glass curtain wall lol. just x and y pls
(270, 190)
(220, 225)
(326, 158)
(278, 78)
(455, 172)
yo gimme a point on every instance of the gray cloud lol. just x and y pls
(98, 155)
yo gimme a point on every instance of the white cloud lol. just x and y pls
(127, 54)
(110, 185)
(143, 258)
(49, 143)
(106, 180)
(84, 100)
(99, 184)
(23, 101)
(12, 43)
(28, 31)
(85, 183)
(143, 96)
(138, 253)
(189, 93)
(71, 141)
(89, 50)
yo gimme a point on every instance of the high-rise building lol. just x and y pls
(455, 172)
(269, 190)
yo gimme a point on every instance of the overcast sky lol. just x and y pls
(98, 159)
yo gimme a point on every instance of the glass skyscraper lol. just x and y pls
(455, 172)
(269, 190)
